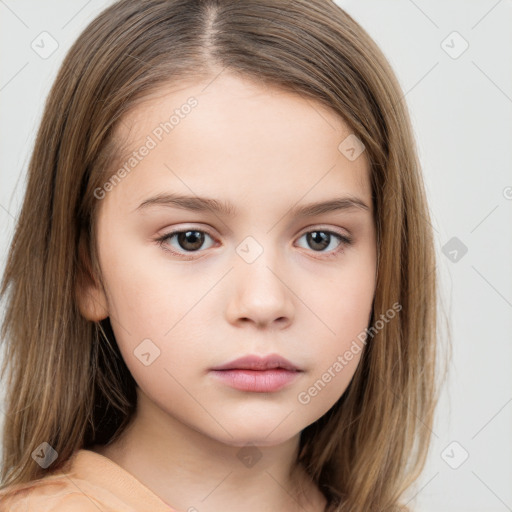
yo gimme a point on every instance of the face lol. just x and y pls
(189, 288)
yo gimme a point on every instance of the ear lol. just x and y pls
(89, 294)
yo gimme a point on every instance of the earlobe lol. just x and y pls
(89, 294)
(92, 302)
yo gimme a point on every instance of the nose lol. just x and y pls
(261, 294)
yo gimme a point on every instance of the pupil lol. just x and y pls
(195, 238)
(318, 238)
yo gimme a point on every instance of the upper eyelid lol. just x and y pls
(307, 229)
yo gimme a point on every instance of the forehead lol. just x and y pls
(234, 135)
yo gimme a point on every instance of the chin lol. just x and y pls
(244, 434)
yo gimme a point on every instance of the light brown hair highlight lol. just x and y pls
(66, 381)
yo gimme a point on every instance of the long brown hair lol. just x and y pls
(67, 383)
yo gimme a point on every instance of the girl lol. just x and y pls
(221, 289)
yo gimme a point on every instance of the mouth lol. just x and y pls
(257, 374)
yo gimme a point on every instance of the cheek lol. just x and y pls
(164, 311)
(162, 339)
(343, 310)
(342, 304)
(159, 320)
(145, 295)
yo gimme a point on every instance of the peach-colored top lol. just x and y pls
(88, 482)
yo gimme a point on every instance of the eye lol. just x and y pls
(319, 240)
(187, 240)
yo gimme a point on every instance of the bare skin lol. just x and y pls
(265, 151)
(281, 491)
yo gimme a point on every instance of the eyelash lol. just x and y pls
(344, 242)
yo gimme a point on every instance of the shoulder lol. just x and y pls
(54, 494)
(87, 482)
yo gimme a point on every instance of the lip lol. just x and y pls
(255, 362)
(257, 374)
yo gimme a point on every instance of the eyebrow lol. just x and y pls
(196, 203)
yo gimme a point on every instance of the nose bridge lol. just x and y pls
(260, 293)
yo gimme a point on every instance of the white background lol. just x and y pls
(462, 116)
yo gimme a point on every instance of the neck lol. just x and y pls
(191, 471)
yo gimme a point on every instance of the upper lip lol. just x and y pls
(255, 362)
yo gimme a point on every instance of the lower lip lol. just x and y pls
(259, 381)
